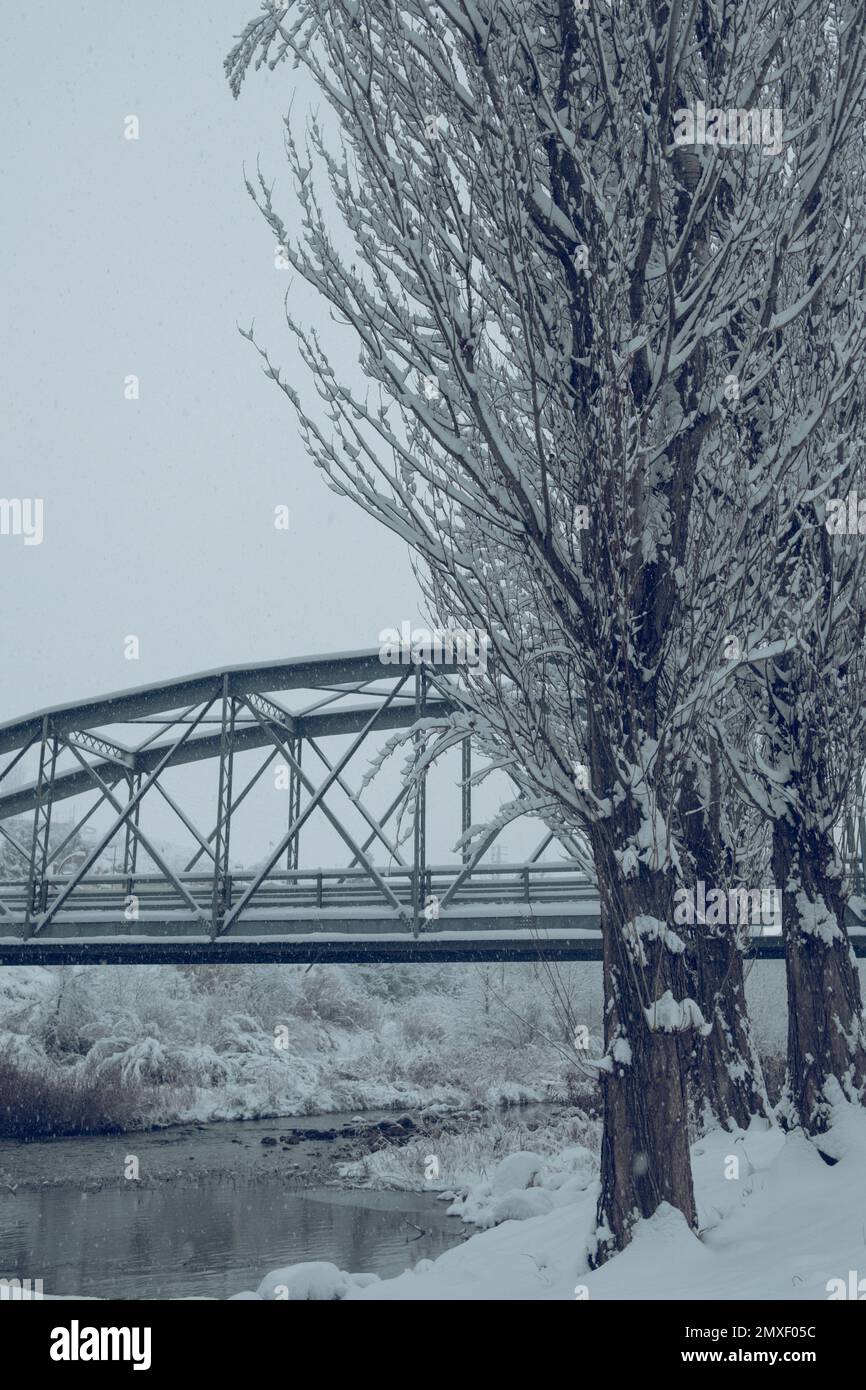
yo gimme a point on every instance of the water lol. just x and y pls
(209, 1233)
(173, 1243)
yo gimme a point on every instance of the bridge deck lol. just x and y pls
(328, 916)
(548, 933)
(332, 948)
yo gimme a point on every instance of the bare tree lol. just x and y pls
(555, 302)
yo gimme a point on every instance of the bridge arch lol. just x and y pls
(62, 905)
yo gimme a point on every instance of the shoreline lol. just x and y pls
(303, 1151)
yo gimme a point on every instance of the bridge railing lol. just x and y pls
(438, 888)
(308, 889)
(440, 885)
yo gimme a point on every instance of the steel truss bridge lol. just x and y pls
(62, 903)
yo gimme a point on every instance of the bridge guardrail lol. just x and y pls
(319, 889)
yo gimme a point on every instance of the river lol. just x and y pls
(213, 1210)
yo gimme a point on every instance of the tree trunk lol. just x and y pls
(645, 1147)
(726, 1080)
(826, 1031)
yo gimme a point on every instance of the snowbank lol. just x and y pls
(315, 1281)
(524, 1185)
(777, 1222)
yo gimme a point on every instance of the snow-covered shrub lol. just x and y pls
(200, 1042)
(423, 1026)
(330, 997)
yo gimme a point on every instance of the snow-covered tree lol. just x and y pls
(799, 769)
(568, 311)
(728, 1087)
(805, 748)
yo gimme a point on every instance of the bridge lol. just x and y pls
(100, 887)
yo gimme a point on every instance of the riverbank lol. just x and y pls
(375, 1149)
(89, 1050)
(117, 1049)
(787, 1227)
(242, 1152)
(199, 1210)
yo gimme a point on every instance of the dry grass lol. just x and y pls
(46, 1102)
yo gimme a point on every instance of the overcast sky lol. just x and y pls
(141, 257)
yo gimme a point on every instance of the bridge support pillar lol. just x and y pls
(130, 843)
(37, 885)
(293, 849)
(221, 881)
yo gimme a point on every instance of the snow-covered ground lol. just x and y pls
(204, 1044)
(235, 1042)
(776, 1220)
(780, 1223)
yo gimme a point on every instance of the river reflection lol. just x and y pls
(173, 1242)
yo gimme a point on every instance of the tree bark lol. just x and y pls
(645, 1147)
(727, 1081)
(826, 1031)
(725, 1075)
